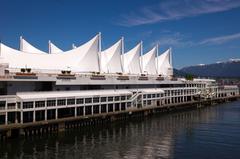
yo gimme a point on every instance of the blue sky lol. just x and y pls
(199, 31)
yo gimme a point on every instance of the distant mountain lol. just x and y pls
(229, 68)
(179, 73)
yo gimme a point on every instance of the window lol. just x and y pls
(2, 105)
(149, 96)
(116, 98)
(117, 107)
(88, 100)
(51, 103)
(110, 107)
(123, 97)
(103, 99)
(128, 97)
(96, 100)
(79, 101)
(39, 104)
(129, 104)
(103, 108)
(27, 105)
(123, 106)
(153, 95)
(61, 102)
(71, 101)
(110, 99)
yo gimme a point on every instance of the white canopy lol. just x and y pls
(111, 58)
(164, 64)
(27, 47)
(53, 49)
(148, 62)
(81, 59)
(131, 60)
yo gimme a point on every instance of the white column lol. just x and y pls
(75, 113)
(6, 118)
(56, 113)
(21, 114)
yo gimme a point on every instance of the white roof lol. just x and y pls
(148, 62)
(163, 62)
(27, 47)
(131, 60)
(111, 58)
(67, 94)
(81, 59)
(53, 49)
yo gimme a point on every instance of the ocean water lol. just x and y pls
(207, 133)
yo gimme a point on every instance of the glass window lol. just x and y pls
(96, 100)
(51, 103)
(71, 101)
(39, 104)
(110, 99)
(103, 99)
(79, 101)
(61, 102)
(27, 105)
(88, 100)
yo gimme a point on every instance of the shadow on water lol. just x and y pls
(212, 132)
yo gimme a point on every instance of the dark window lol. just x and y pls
(2, 104)
(110, 107)
(61, 102)
(96, 100)
(51, 103)
(149, 95)
(88, 100)
(116, 98)
(80, 101)
(110, 99)
(103, 99)
(123, 106)
(117, 107)
(129, 104)
(153, 95)
(39, 104)
(71, 101)
(27, 105)
(95, 109)
(103, 108)
(123, 97)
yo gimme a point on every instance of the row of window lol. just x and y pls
(72, 101)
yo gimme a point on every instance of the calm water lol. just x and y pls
(212, 132)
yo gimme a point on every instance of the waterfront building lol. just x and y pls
(87, 81)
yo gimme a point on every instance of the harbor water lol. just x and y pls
(210, 132)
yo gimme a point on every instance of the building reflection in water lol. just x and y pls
(152, 137)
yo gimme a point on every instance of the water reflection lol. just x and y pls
(163, 136)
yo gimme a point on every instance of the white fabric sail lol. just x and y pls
(27, 47)
(164, 64)
(131, 60)
(111, 58)
(148, 62)
(81, 59)
(53, 49)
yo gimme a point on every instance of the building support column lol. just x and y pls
(84, 110)
(34, 115)
(75, 112)
(45, 114)
(56, 114)
(6, 118)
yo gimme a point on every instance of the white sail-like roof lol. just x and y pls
(131, 60)
(53, 49)
(148, 62)
(81, 59)
(111, 58)
(27, 47)
(164, 64)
